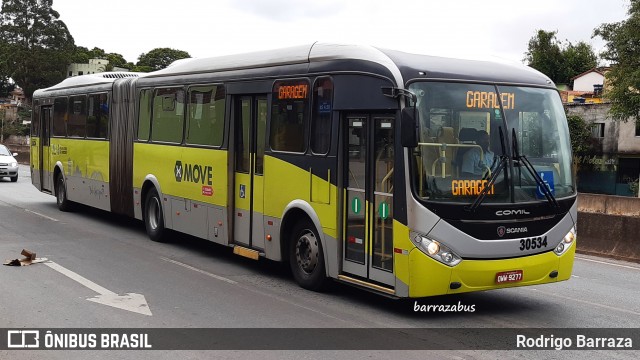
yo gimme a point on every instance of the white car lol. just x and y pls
(8, 164)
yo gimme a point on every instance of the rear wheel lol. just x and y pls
(153, 217)
(306, 257)
(61, 194)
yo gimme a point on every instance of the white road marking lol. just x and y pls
(41, 215)
(587, 302)
(608, 263)
(198, 270)
(130, 302)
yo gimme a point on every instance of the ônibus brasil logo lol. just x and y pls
(195, 173)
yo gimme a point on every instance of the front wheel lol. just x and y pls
(153, 217)
(14, 178)
(306, 257)
(61, 194)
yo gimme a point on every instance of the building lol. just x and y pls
(587, 87)
(94, 66)
(590, 80)
(612, 166)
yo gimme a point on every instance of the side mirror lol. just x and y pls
(409, 127)
(15, 154)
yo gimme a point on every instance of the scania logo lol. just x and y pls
(512, 212)
(501, 231)
(511, 230)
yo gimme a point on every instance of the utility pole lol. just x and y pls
(2, 113)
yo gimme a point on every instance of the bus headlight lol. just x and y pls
(566, 242)
(435, 249)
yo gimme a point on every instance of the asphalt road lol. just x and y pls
(191, 283)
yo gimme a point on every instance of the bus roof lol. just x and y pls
(89, 80)
(402, 66)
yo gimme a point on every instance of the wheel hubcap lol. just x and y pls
(307, 252)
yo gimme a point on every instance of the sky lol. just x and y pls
(498, 29)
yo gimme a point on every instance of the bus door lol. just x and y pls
(368, 201)
(44, 157)
(250, 119)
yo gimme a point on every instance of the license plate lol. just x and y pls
(509, 276)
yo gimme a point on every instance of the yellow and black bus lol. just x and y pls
(410, 175)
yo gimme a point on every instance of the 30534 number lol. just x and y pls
(533, 243)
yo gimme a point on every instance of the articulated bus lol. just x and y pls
(345, 161)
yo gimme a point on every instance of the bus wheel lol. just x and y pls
(306, 257)
(61, 195)
(153, 218)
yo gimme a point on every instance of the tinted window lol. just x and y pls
(76, 126)
(289, 115)
(168, 115)
(206, 115)
(98, 116)
(35, 120)
(321, 121)
(60, 117)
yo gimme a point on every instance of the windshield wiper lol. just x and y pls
(502, 164)
(522, 159)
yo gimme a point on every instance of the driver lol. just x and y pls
(472, 165)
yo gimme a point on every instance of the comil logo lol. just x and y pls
(512, 212)
(23, 339)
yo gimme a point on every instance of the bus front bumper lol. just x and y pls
(429, 277)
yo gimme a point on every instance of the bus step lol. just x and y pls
(248, 253)
(367, 285)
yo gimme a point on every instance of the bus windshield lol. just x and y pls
(469, 133)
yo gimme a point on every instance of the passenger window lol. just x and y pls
(168, 115)
(60, 117)
(321, 121)
(206, 115)
(289, 115)
(98, 116)
(76, 126)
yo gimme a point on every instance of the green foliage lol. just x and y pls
(160, 58)
(36, 44)
(82, 55)
(580, 132)
(560, 62)
(623, 50)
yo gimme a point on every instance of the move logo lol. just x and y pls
(195, 173)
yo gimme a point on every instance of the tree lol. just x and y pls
(577, 59)
(558, 61)
(160, 58)
(38, 45)
(544, 54)
(581, 139)
(623, 50)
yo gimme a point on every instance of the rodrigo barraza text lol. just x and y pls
(580, 342)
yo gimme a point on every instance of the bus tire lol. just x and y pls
(153, 217)
(61, 195)
(306, 257)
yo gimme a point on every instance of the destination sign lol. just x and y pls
(470, 187)
(490, 100)
(299, 91)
